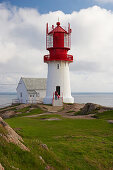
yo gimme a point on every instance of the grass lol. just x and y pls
(70, 111)
(11, 107)
(26, 111)
(41, 117)
(80, 113)
(107, 115)
(12, 157)
(76, 144)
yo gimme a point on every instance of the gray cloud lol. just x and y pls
(85, 67)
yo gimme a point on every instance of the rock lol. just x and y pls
(1, 167)
(48, 167)
(8, 114)
(89, 108)
(31, 108)
(41, 159)
(14, 168)
(51, 119)
(11, 136)
(44, 146)
(110, 121)
(27, 111)
(17, 113)
(21, 106)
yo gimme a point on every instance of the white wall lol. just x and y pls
(42, 94)
(22, 89)
(58, 77)
(29, 97)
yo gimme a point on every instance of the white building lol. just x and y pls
(58, 60)
(31, 90)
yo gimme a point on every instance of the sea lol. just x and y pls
(105, 99)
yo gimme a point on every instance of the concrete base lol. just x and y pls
(65, 100)
(58, 102)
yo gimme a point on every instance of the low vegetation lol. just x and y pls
(27, 111)
(60, 144)
(107, 115)
(12, 157)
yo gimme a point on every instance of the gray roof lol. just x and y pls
(35, 83)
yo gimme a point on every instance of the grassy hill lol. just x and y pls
(70, 143)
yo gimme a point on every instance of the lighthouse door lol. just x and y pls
(58, 90)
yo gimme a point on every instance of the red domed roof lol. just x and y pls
(58, 28)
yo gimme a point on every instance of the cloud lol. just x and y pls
(104, 1)
(22, 46)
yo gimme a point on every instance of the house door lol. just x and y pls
(58, 90)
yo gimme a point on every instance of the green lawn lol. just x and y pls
(76, 144)
(12, 157)
(26, 111)
(107, 115)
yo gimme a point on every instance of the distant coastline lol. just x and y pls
(8, 93)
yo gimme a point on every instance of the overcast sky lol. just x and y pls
(22, 41)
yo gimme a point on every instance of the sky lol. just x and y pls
(22, 41)
(66, 6)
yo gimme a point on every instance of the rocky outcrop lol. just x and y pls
(7, 114)
(90, 108)
(21, 106)
(12, 111)
(11, 136)
(1, 167)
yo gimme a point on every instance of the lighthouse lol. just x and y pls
(58, 42)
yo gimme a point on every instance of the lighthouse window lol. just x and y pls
(66, 40)
(49, 41)
(57, 66)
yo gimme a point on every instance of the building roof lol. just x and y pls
(35, 83)
(58, 28)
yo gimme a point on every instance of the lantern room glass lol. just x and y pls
(67, 40)
(50, 41)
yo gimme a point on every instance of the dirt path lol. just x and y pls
(81, 117)
(38, 115)
(65, 116)
(67, 111)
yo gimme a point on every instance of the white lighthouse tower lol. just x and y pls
(58, 43)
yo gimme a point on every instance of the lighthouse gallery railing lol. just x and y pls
(68, 58)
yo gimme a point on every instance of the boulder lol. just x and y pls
(8, 114)
(90, 108)
(11, 136)
(1, 167)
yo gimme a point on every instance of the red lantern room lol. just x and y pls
(58, 42)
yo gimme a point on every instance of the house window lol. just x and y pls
(31, 95)
(58, 66)
(38, 94)
(21, 94)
